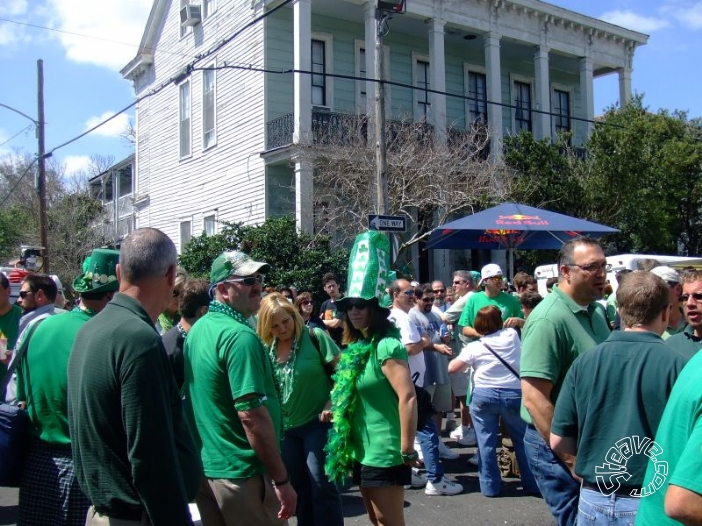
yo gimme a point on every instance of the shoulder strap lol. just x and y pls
(18, 358)
(511, 369)
(315, 341)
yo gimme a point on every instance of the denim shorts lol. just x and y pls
(372, 477)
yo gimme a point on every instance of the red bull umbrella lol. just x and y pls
(513, 226)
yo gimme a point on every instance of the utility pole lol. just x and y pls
(41, 166)
(381, 161)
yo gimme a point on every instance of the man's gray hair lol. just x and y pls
(146, 253)
(464, 275)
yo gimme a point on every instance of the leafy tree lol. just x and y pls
(296, 258)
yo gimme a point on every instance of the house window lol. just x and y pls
(125, 181)
(184, 119)
(477, 97)
(421, 73)
(561, 110)
(186, 231)
(184, 30)
(208, 8)
(209, 132)
(319, 80)
(109, 194)
(522, 103)
(209, 224)
(363, 96)
(363, 90)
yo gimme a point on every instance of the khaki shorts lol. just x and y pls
(440, 396)
(460, 383)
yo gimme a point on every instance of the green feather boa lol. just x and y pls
(344, 398)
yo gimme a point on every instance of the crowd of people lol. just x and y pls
(159, 389)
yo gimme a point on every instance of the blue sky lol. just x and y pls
(83, 84)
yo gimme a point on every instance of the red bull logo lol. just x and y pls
(521, 219)
(504, 237)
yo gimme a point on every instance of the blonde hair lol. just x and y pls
(271, 305)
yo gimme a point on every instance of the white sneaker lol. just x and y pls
(446, 453)
(468, 439)
(443, 487)
(457, 433)
(418, 480)
(474, 459)
(451, 424)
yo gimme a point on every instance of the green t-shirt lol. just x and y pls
(557, 332)
(686, 343)
(508, 305)
(9, 325)
(311, 384)
(41, 376)
(375, 425)
(679, 438)
(225, 361)
(616, 391)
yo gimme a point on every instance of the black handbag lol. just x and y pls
(14, 426)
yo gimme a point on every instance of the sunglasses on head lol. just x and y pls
(248, 280)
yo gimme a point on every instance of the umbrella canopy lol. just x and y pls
(513, 226)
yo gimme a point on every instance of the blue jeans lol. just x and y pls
(428, 438)
(559, 489)
(486, 407)
(318, 500)
(596, 509)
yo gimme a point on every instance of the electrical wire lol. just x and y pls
(16, 134)
(18, 181)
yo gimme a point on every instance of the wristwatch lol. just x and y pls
(410, 457)
(278, 483)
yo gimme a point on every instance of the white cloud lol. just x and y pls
(13, 8)
(114, 20)
(689, 15)
(114, 128)
(630, 20)
(11, 34)
(76, 164)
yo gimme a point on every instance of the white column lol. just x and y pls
(437, 76)
(302, 61)
(493, 74)
(542, 121)
(304, 192)
(370, 29)
(586, 94)
(624, 86)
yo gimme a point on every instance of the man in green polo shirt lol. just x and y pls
(48, 494)
(134, 456)
(235, 403)
(9, 322)
(689, 341)
(612, 401)
(567, 323)
(492, 280)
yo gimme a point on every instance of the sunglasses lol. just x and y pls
(696, 296)
(175, 293)
(248, 281)
(306, 302)
(408, 292)
(439, 291)
(357, 304)
(23, 293)
(459, 282)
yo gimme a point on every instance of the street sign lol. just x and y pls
(387, 223)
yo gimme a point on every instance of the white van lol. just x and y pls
(619, 262)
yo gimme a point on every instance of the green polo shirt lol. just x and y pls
(614, 392)
(41, 376)
(557, 332)
(225, 361)
(509, 307)
(686, 343)
(131, 447)
(9, 325)
(679, 438)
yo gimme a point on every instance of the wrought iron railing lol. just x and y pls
(279, 131)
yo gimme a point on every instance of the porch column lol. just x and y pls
(542, 121)
(304, 195)
(437, 76)
(302, 61)
(493, 74)
(588, 101)
(624, 86)
(370, 29)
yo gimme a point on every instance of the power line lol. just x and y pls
(18, 181)
(16, 134)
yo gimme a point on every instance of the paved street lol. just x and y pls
(467, 509)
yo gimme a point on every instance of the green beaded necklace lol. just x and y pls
(285, 372)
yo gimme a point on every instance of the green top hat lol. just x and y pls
(369, 268)
(99, 272)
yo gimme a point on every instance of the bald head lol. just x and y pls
(145, 254)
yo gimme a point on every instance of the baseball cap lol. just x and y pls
(667, 274)
(235, 263)
(490, 271)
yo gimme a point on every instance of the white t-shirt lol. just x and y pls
(488, 370)
(409, 333)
